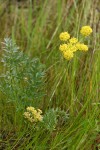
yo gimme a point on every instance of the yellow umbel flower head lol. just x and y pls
(86, 30)
(82, 47)
(33, 115)
(63, 47)
(71, 47)
(73, 40)
(64, 36)
(68, 55)
(67, 47)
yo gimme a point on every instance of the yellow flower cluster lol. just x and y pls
(33, 115)
(63, 47)
(72, 44)
(64, 36)
(68, 55)
(86, 30)
(73, 40)
(69, 48)
(82, 47)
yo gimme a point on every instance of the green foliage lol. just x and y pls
(22, 79)
(50, 120)
(54, 117)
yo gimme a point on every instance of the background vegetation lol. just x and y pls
(71, 88)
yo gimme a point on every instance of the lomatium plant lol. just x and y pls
(22, 84)
(49, 120)
(72, 44)
(22, 79)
